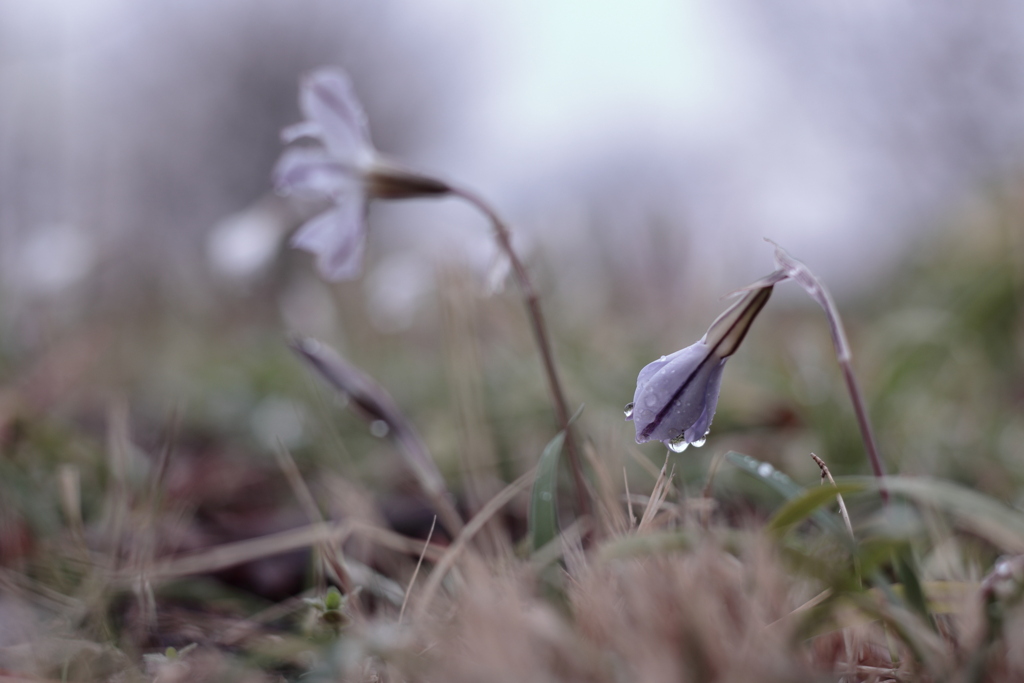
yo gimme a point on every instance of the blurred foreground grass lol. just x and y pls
(148, 497)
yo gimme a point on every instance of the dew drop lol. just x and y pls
(628, 410)
(699, 442)
(678, 445)
(765, 470)
(379, 428)
(650, 400)
(545, 496)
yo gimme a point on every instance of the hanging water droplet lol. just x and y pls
(678, 445)
(379, 428)
(628, 410)
(765, 470)
(699, 442)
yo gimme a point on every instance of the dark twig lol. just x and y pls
(373, 403)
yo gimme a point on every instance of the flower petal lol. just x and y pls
(328, 100)
(312, 174)
(671, 393)
(297, 131)
(338, 239)
(700, 428)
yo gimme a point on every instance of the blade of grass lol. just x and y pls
(543, 510)
(416, 572)
(451, 555)
(231, 554)
(825, 474)
(913, 593)
(658, 495)
(808, 504)
(330, 553)
(543, 517)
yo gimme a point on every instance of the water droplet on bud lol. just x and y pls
(699, 442)
(628, 410)
(678, 445)
(379, 428)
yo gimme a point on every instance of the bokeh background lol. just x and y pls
(640, 150)
(130, 132)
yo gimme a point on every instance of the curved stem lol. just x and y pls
(803, 276)
(866, 432)
(540, 335)
(845, 357)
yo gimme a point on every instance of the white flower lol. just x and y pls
(345, 169)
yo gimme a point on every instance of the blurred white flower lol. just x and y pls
(345, 169)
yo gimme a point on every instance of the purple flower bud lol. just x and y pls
(676, 395)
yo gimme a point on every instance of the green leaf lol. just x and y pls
(805, 502)
(767, 473)
(543, 518)
(986, 517)
(913, 593)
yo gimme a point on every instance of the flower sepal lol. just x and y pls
(385, 179)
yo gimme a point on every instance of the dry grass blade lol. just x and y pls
(540, 333)
(69, 479)
(825, 474)
(658, 495)
(646, 464)
(787, 621)
(629, 501)
(611, 514)
(452, 554)
(708, 503)
(240, 552)
(416, 572)
(464, 371)
(329, 551)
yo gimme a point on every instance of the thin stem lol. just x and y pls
(540, 335)
(867, 434)
(844, 356)
(803, 276)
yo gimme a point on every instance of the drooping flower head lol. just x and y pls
(344, 169)
(676, 395)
